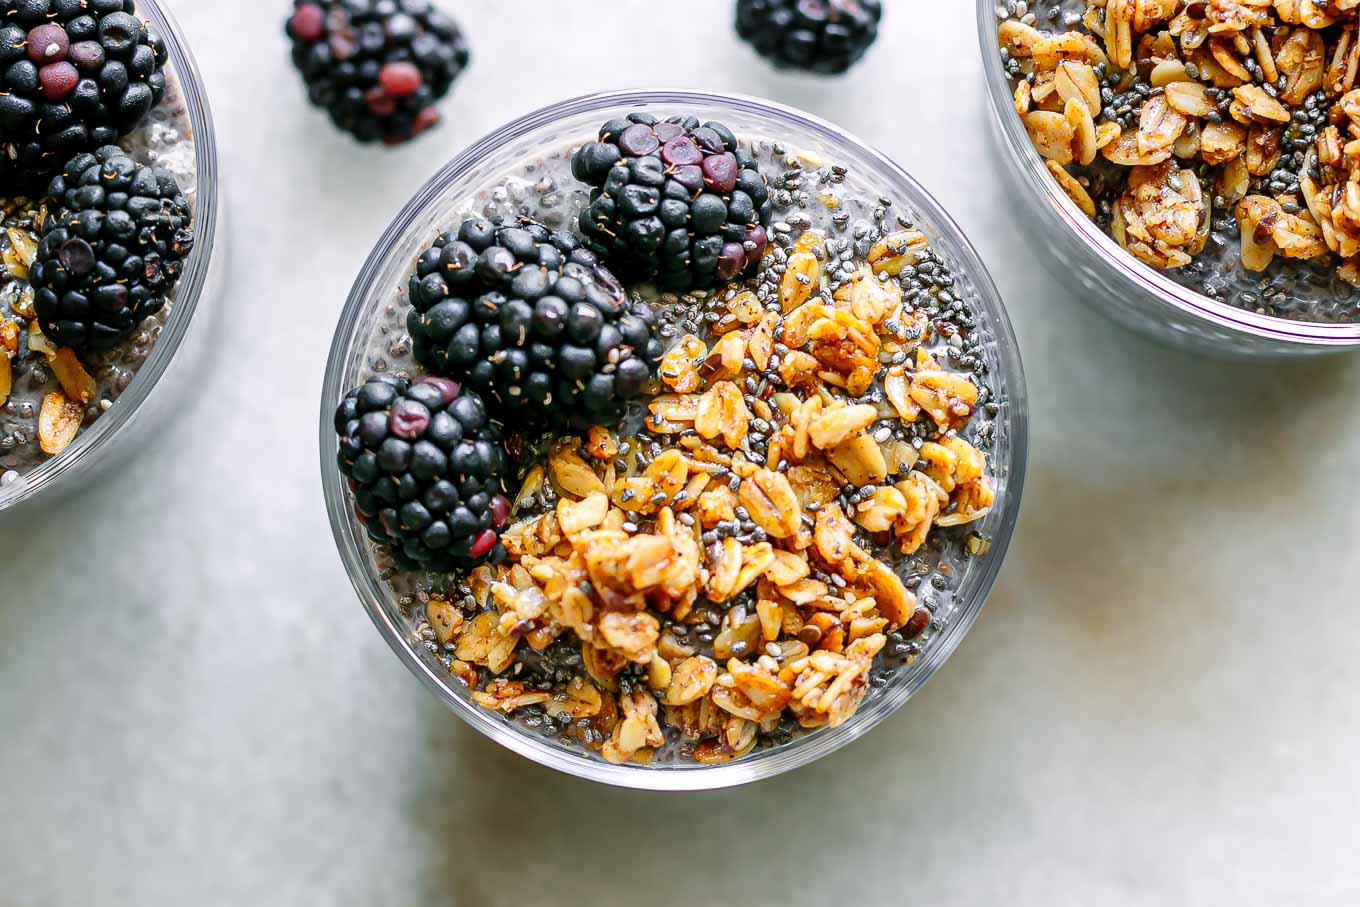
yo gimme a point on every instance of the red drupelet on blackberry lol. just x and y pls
(76, 75)
(821, 36)
(674, 201)
(112, 252)
(377, 66)
(426, 466)
(534, 321)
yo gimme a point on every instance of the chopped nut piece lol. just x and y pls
(633, 635)
(833, 534)
(679, 368)
(58, 422)
(507, 696)
(722, 411)
(580, 700)
(1256, 216)
(870, 299)
(637, 729)
(717, 505)
(801, 279)
(691, 679)
(577, 516)
(739, 635)
(880, 512)
(571, 474)
(601, 444)
(444, 619)
(74, 380)
(25, 246)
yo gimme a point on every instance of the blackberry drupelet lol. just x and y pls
(674, 201)
(821, 36)
(377, 66)
(426, 466)
(77, 75)
(111, 253)
(534, 321)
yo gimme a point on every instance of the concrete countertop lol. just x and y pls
(1158, 705)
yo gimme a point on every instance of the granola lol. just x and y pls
(782, 524)
(47, 395)
(730, 568)
(1176, 124)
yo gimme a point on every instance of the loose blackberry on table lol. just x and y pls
(426, 465)
(673, 201)
(531, 318)
(377, 66)
(821, 36)
(78, 74)
(112, 252)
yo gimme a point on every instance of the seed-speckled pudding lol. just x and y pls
(50, 394)
(781, 530)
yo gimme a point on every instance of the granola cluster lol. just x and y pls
(763, 497)
(1156, 116)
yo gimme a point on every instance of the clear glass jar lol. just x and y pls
(146, 402)
(1083, 256)
(435, 207)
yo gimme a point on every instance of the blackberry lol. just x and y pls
(426, 466)
(534, 321)
(674, 201)
(112, 252)
(377, 66)
(77, 75)
(821, 36)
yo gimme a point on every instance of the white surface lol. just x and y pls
(1158, 705)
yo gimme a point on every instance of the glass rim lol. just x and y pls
(90, 442)
(369, 587)
(1338, 336)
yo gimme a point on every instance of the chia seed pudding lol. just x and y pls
(771, 635)
(1209, 139)
(163, 140)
